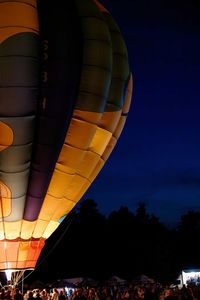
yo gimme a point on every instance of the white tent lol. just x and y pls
(143, 279)
(75, 281)
(80, 281)
(115, 281)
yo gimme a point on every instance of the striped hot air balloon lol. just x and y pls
(65, 91)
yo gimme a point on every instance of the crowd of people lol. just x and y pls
(132, 292)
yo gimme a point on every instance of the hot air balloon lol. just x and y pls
(65, 92)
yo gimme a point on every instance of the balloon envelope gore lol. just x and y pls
(59, 120)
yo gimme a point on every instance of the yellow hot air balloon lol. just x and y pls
(65, 91)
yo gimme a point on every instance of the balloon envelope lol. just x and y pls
(64, 97)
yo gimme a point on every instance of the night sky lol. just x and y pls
(157, 159)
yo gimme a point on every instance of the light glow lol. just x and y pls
(8, 274)
(191, 276)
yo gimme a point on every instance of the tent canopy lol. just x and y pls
(115, 280)
(144, 279)
(77, 282)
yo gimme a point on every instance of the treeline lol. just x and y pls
(126, 244)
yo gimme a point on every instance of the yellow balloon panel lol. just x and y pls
(59, 182)
(51, 227)
(40, 228)
(5, 198)
(97, 169)
(88, 116)
(80, 133)
(2, 233)
(100, 141)
(109, 148)
(53, 206)
(48, 208)
(64, 207)
(82, 190)
(69, 159)
(88, 163)
(12, 229)
(120, 127)
(110, 120)
(74, 188)
(27, 229)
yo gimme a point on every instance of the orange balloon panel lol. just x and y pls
(19, 254)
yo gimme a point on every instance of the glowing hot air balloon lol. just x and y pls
(65, 91)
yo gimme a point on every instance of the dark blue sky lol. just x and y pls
(157, 159)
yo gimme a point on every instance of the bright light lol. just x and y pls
(190, 276)
(8, 274)
(69, 291)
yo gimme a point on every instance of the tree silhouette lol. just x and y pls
(188, 244)
(126, 244)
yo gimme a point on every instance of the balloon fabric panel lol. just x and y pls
(19, 65)
(64, 98)
(61, 49)
(86, 93)
(79, 183)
